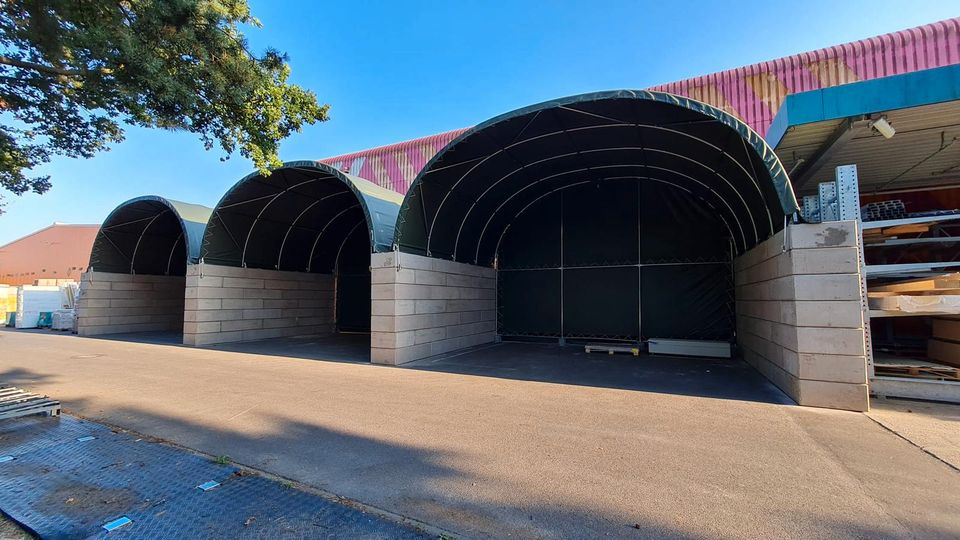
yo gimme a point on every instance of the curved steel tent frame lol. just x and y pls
(465, 198)
(150, 235)
(299, 218)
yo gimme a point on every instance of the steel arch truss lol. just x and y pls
(298, 219)
(149, 235)
(467, 196)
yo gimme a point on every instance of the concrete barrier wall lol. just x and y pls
(226, 304)
(799, 314)
(423, 307)
(119, 303)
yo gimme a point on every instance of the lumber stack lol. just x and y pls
(876, 235)
(933, 295)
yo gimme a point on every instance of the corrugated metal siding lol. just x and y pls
(395, 166)
(755, 92)
(752, 93)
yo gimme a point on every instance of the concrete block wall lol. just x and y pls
(422, 307)
(119, 303)
(799, 314)
(226, 304)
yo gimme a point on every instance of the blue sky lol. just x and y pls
(393, 71)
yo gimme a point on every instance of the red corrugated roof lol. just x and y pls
(393, 166)
(753, 93)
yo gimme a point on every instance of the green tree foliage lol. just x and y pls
(72, 72)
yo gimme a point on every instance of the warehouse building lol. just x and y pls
(57, 252)
(138, 263)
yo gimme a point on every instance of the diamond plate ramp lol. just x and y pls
(26, 434)
(75, 476)
(69, 489)
(253, 507)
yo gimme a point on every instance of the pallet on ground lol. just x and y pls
(612, 348)
(15, 403)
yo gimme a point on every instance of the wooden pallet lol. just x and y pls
(611, 348)
(916, 369)
(15, 402)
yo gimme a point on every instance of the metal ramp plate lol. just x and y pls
(59, 486)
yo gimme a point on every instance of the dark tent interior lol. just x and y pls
(611, 216)
(146, 235)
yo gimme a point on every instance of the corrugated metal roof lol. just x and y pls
(394, 166)
(59, 251)
(752, 93)
(755, 93)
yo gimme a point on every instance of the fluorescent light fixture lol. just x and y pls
(883, 127)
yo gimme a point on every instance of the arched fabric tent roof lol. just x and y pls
(466, 197)
(298, 219)
(150, 235)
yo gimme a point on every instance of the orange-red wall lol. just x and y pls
(57, 252)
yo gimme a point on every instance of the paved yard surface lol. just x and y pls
(935, 427)
(513, 455)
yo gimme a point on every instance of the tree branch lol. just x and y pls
(50, 70)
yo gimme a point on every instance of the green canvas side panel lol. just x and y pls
(687, 302)
(529, 303)
(600, 223)
(601, 303)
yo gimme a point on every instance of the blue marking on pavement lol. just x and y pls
(207, 486)
(117, 523)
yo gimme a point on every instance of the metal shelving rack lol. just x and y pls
(840, 201)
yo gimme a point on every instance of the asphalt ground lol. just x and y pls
(495, 444)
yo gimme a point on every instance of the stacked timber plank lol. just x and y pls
(15, 402)
(880, 234)
(933, 295)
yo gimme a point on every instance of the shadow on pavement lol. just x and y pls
(690, 376)
(339, 347)
(336, 347)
